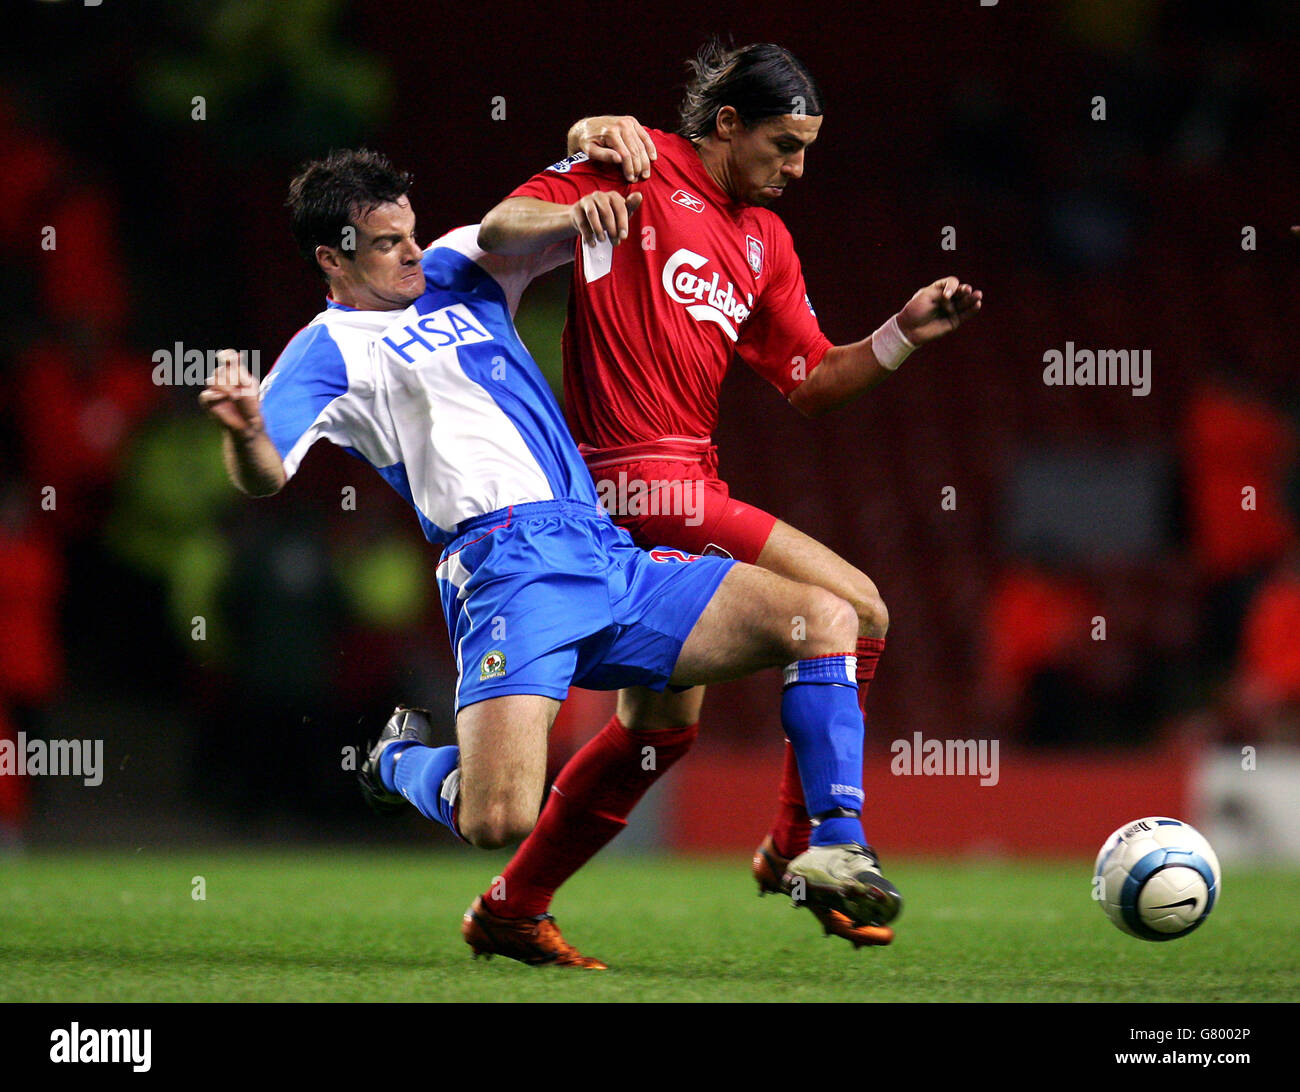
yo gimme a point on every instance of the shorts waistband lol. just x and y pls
(676, 448)
(504, 517)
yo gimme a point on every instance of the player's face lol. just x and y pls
(384, 272)
(768, 155)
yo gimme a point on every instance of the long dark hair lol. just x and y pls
(329, 193)
(760, 81)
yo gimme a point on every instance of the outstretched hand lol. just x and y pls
(938, 309)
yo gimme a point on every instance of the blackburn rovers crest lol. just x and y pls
(492, 666)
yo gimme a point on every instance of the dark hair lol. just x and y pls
(331, 193)
(760, 81)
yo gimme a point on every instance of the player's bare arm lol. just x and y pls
(615, 139)
(231, 398)
(527, 225)
(847, 371)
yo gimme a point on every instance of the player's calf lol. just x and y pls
(757, 619)
(823, 722)
(503, 767)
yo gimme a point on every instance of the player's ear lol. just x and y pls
(327, 258)
(727, 123)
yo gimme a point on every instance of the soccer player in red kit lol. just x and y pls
(705, 273)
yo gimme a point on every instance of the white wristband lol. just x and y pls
(890, 346)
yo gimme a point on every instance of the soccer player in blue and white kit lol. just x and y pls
(415, 366)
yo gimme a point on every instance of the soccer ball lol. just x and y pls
(1156, 878)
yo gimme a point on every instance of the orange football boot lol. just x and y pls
(535, 941)
(769, 870)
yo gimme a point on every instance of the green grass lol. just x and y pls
(354, 926)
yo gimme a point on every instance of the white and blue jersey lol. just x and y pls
(540, 589)
(442, 398)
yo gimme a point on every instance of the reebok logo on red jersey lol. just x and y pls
(716, 304)
(688, 201)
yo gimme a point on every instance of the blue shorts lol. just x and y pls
(542, 596)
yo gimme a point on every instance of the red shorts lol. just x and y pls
(667, 493)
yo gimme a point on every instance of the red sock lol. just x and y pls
(868, 651)
(589, 804)
(791, 828)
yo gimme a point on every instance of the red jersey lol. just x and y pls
(654, 322)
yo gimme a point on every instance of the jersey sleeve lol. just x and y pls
(782, 341)
(564, 182)
(513, 272)
(297, 393)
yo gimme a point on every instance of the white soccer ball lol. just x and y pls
(1156, 878)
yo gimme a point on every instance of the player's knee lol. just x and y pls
(650, 712)
(498, 825)
(830, 626)
(873, 615)
(495, 834)
(648, 722)
(862, 594)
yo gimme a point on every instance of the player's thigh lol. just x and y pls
(791, 553)
(644, 710)
(757, 619)
(503, 765)
(714, 522)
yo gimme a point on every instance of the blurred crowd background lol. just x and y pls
(230, 651)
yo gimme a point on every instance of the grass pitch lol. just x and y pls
(350, 925)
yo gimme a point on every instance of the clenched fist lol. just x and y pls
(938, 309)
(231, 396)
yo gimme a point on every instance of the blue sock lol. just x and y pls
(391, 752)
(822, 720)
(429, 777)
